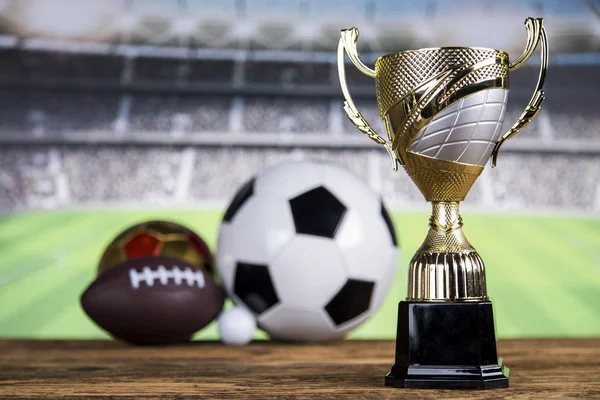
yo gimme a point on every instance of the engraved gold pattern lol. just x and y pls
(489, 72)
(399, 74)
(439, 185)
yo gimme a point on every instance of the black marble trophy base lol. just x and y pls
(446, 345)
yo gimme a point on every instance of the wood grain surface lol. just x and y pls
(540, 369)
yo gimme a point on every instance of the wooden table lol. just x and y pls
(540, 369)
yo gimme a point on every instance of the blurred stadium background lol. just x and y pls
(118, 110)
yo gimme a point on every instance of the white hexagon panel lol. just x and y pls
(309, 249)
(289, 323)
(353, 190)
(308, 271)
(289, 179)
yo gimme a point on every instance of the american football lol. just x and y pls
(153, 300)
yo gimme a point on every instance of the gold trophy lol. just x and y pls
(443, 110)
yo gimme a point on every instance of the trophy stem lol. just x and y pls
(446, 337)
(446, 266)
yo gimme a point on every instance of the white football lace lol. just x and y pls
(162, 274)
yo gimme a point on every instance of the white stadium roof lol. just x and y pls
(313, 25)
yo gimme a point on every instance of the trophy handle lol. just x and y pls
(347, 44)
(535, 33)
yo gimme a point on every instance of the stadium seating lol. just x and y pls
(175, 98)
(74, 112)
(178, 115)
(120, 174)
(285, 115)
(576, 120)
(213, 71)
(288, 73)
(16, 116)
(152, 114)
(11, 66)
(31, 176)
(43, 64)
(161, 69)
(153, 69)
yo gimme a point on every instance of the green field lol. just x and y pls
(543, 272)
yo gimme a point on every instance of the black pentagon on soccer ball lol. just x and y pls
(253, 285)
(390, 225)
(353, 299)
(239, 199)
(317, 212)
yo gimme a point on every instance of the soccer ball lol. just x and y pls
(157, 238)
(309, 249)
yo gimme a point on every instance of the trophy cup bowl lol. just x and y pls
(443, 109)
